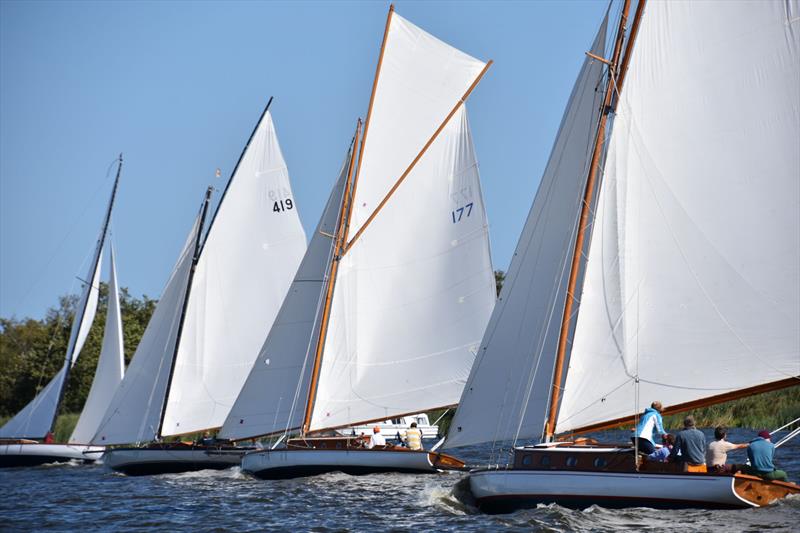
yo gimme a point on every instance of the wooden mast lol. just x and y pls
(100, 243)
(340, 237)
(418, 157)
(566, 319)
(185, 306)
(344, 226)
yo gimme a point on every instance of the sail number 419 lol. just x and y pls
(457, 214)
(282, 205)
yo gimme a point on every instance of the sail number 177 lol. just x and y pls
(457, 214)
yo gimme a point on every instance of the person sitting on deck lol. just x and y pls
(376, 439)
(413, 437)
(690, 447)
(662, 454)
(760, 452)
(49, 439)
(717, 451)
(650, 421)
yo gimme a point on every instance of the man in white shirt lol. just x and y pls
(376, 439)
(717, 451)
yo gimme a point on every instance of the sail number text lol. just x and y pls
(282, 205)
(458, 214)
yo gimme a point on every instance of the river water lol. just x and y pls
(92, 498)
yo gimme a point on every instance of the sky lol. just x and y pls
(177, 87)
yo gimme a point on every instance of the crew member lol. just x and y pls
(413, 437)
(376, 439)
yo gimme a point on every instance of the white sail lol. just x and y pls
(421, 79)
(134, 413)
(413, 295)
(274, 396)
(693, 276)
(511, 376)
(110, 365)
(252, 250)
(36, 418)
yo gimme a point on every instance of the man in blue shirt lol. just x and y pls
(760, 452)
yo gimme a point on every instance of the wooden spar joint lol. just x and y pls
(600, 59)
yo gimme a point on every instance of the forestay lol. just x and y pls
(414, 294)
(251, 252)
(110, 365)
(274, 395)
(134, 412)
(509, 382)
(693, 276)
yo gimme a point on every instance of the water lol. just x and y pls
(92, 498)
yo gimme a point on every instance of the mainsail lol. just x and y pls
(110, 365)
(38, 418)
(273, 397)
(692, 287)
(134, 412)
(252, 249)
(692, 284)
(413, 295)
(514, 365)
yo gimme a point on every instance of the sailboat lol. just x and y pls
(676, 231)
(23, 439)
(221, 298)
(383, 317)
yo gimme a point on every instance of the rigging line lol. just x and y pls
(76, 220)
(786, 425)
(594, 402)
(788, 437)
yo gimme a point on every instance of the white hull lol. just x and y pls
(146, 461)
(38, 454)
(289, 463)
(503, 490)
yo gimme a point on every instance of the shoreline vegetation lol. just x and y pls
(32, 351)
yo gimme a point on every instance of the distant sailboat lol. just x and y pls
(689, 282)
(221, 298)
(37, 419)
(384, 323)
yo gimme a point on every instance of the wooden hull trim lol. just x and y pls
(154, 461)
(35, 454)
(292, 463)
(506, 490)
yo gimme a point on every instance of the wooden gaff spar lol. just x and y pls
(38, 418)
(676, 301)
(391, 324)
(210, 321)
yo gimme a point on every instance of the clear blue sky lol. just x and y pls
(178, 86)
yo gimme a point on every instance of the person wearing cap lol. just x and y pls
(413, 437)
(760, 452)
(648, 423)
(690, 447)
(376, 439)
